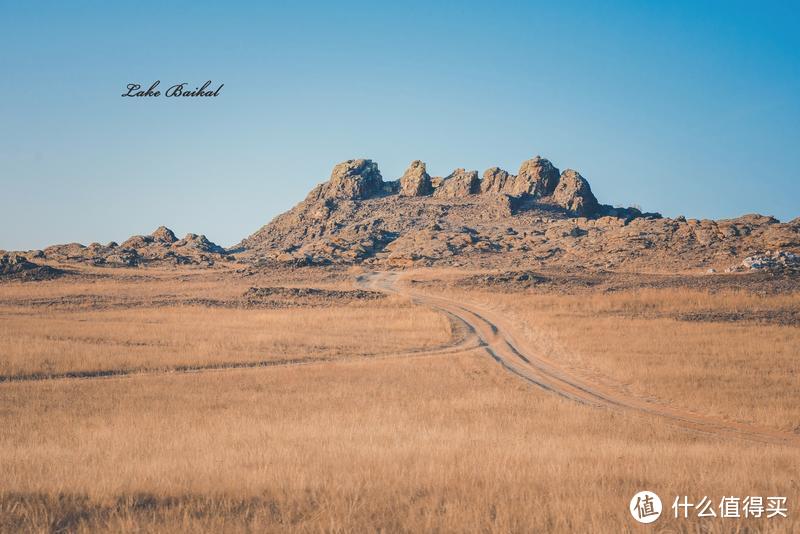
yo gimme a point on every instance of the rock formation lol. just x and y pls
(574, 194)
(540, 216)
(354, 179)
(163, 234)
(495, 180)
(774, 261)
(415, 182)
(160, 247)
(537, 177)
(459, 184)
(16, 267)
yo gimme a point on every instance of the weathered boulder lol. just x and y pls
(199, 242)
(354, 179)
(495, 180)
(415, 182)
(574, 194)
(163, 234)
(774, 261)
(136, 241)
(460, 183)
(537, 177)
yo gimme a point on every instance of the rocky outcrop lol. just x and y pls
(356, 216)
(164, 235)
(460, 183)
(495, 180)
(574, 194)
(541, 216)
(537, 217)
(16, 267)
(537, 177)
(199, 243)
(354, 179)
(161, 247)
(415, 182)
(775, 261)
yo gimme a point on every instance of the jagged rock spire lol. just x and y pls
(415, 182)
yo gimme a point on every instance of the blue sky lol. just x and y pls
(681, 107)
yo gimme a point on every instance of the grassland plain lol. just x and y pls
(108, 325)
(409, 441)
(676, 345)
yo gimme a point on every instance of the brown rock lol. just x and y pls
(199, 242)
(164, 235)
(495, 180)
(537, 177)
(17, 267)
(459, 184)
(354, 179)
(137, 241)
(574, 194)
(415, 182)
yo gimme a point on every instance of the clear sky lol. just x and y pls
(681, 107)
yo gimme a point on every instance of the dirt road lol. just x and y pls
(497, 338)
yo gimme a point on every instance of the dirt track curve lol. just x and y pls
(496, 336)
(464, 340)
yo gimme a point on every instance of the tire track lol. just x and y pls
(462, 342)
(496, 335)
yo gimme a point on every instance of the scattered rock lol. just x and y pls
(200, 243)
(518, 279)
(285, 297)
(778, 261)
(160, 247)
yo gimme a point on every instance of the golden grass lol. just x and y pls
(53, 342)
(425, 444)
(139, 320)
(744, 370)
(415, 444)
(646, 301)
(137, 284)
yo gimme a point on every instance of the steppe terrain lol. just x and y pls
(431, 354)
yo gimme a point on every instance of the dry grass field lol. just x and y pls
(379, 435)
(164, 338)
(122, 325)
(727, 353)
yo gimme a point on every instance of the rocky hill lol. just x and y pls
(538, 216)
(15, 267)
(161, 247)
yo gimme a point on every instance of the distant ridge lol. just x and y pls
(539, 216)
(161, 247)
